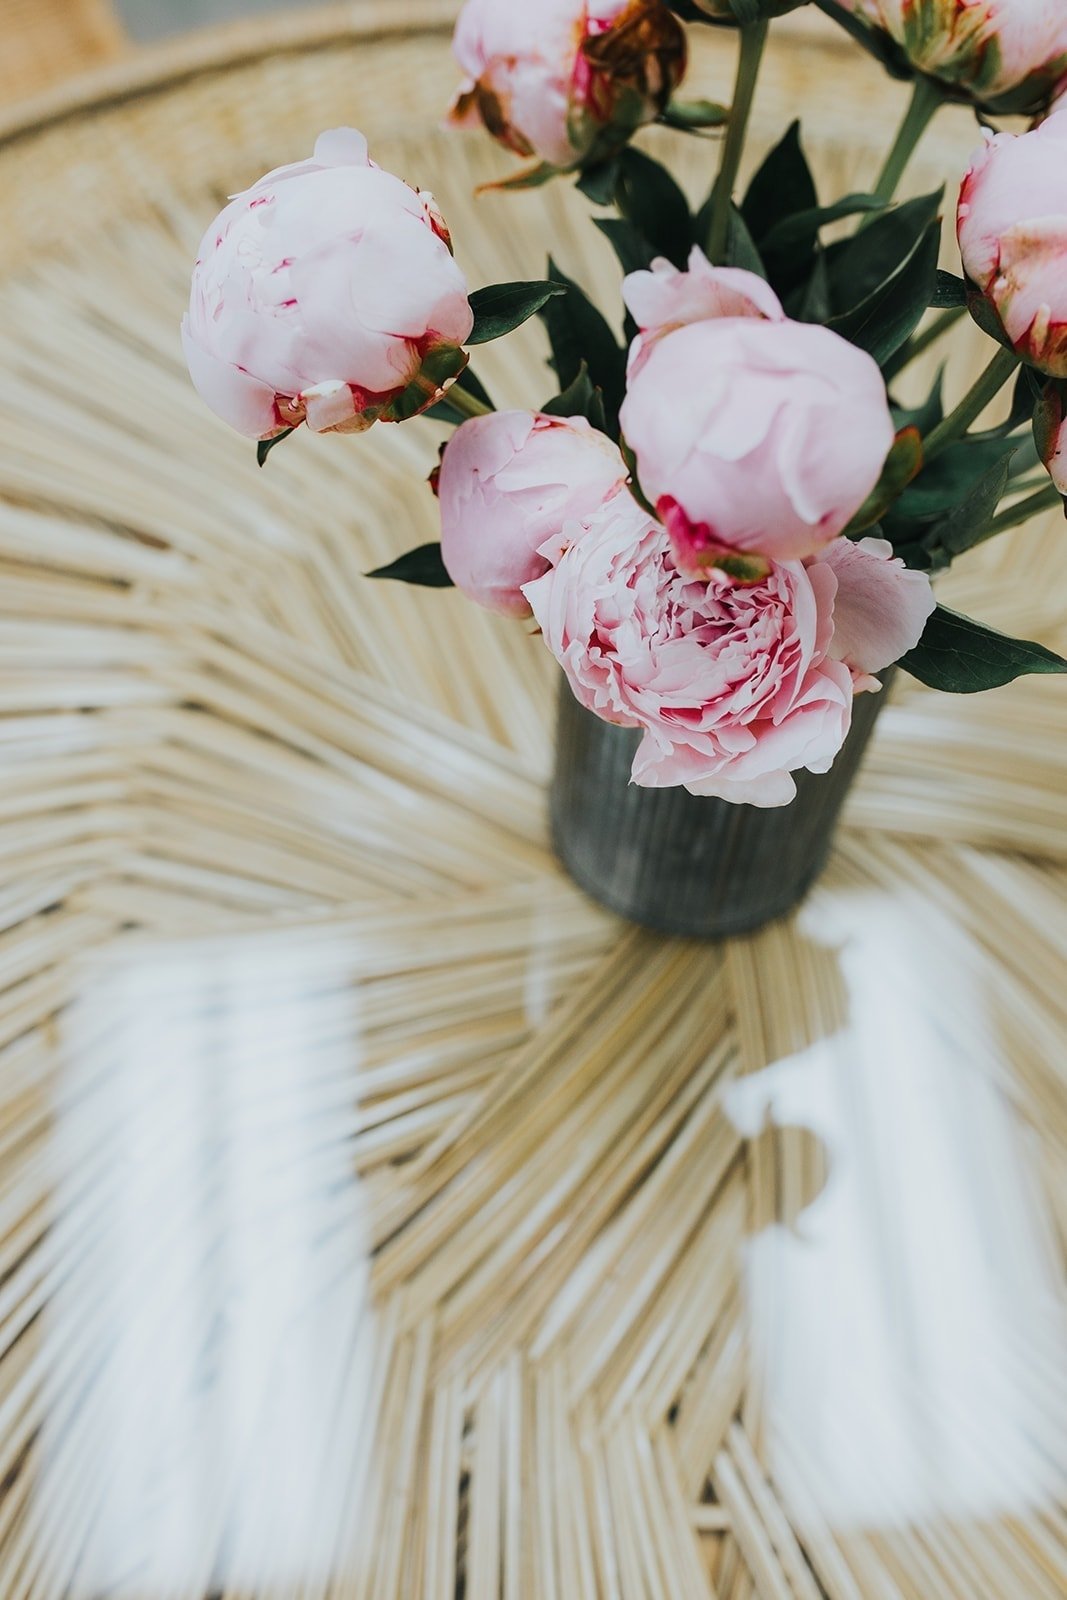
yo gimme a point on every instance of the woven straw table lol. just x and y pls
(683, 1271)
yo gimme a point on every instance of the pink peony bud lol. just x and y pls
(326, 294)
(754, 438)
(508, 483)
(1012, 228)
(1050, 433)
(664, 298)
(567, 81)
(1009, 54)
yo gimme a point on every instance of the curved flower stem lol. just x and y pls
(925, 99)
(469, 404)
(974, 402)
(753, 37)
(1044, 500)
(922, 342)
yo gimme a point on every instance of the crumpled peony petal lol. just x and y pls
(881, 606)
(529, 78)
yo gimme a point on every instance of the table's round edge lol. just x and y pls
(163, 67)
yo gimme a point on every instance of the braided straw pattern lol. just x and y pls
(626, 1198)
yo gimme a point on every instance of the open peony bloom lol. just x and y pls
(735, 687)
(508, 484)
(1008, 54)
(567, 81)
(753, 435)
(326, 294)
(1012, 228)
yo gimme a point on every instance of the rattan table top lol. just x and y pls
(379, 1218)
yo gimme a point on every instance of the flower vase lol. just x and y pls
(686, 864)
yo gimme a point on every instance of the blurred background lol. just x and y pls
(44, 41)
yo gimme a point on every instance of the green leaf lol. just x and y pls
(811, 301)
(952, 475)
(782, 186)
(527, 178)
(501, 307)
(926, 416)
(265, 446)
(692, 115)
(578, 332)
(888, 317)
(950, 292)
(652, 202)
(863, 263)
(904, 460)
(962, 656)
(580, 399)
(634, 252)
(967, 524)
(443, 411)
(877, 43)
(740, 248)
(800, 229)
(598, 183)
(423, 567)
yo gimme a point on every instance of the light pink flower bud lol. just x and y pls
(1009, 54)
(735, 688)
(326, 294)
(1012, 228)
(664, 298)
(508, 484)
(567, 81)
(755, 438)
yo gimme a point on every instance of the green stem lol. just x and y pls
(922, 342)
(753, 37)
(974, 402)
(925, 99)
(1044, 500)
(468, 404)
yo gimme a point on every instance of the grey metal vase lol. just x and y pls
(681, 863)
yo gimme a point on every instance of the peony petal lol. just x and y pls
(239, 399)
(881, 607)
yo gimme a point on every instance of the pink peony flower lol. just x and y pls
(567, 81)
(754, 437)
(508, 483)
(735, 687)
(1050, 433)
(326, 294)
(664, 298)
(1012, 229)
(1009, 52)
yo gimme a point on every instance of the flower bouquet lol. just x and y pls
(724, 525)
